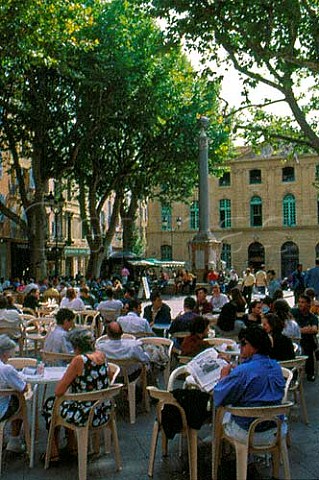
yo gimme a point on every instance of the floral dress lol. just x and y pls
(94, 377)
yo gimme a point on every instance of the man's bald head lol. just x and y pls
(114, 330)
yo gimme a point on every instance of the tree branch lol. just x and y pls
(13, 216)
(255, 105)
(279, 136)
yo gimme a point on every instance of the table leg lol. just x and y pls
(33, 424)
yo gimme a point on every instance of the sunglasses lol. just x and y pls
(243, 343)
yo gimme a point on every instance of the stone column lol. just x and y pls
(204, 248)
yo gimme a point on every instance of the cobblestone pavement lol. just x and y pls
(135, 445)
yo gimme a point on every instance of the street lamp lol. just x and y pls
(56, 204)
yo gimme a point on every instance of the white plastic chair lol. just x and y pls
(166, 398)
(297, 367)
(277, 448)
(21, 414)
(82, 433)
(168, 345)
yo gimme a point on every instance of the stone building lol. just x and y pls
(67, 250)
(264, 209)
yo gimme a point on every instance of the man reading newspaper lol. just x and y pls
(205, 369)
(257, 381)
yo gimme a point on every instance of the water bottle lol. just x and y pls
(40, 368)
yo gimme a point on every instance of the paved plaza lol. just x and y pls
(135, 446)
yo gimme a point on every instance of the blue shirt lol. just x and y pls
(312, 279)
(256, 382)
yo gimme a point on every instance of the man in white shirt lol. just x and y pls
(111, 303)
(9, 319)
(132, 322)
(117, 348)
(9, 378)
(218, 299)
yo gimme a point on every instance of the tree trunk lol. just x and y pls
(37, 234)
(95, 263)
(128, 217)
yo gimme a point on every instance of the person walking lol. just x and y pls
(312, 278)
(261, 280)
(298, 282)
(248, 285)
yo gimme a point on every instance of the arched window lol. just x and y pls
(166, 252)
(194, 215)
(256, 212)
(225, 213)
(166, 217)
(256, 255)
(289, 258)
(289, 211)
(226, 255)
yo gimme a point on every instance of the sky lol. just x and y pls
(231, 88)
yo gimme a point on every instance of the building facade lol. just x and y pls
(67, 250)
(265, 209)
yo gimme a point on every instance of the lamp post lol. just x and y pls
(56, 203)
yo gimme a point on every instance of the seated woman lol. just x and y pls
(238, 300)
(291, 327)
(72, 301)
(228, 321)
(253, 317)
(282, 347)
(194, 343)
(32, 299)
(9, 378)
(87, 372)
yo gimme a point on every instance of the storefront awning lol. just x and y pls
(76, 252)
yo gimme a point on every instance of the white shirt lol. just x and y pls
(123, 349)
(110, 305)
(75, 304)
(132, 323)
(57, 341)
(219, 301)
(9, 378)
(10, 319)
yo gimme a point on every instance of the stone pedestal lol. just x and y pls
(205, 254)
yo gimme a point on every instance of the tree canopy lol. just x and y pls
(143, 97)
(92, 91)
(270, 43)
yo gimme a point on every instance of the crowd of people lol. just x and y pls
(254, 312)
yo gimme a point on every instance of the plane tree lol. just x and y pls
(145, 103)
(40, 40)
(271, 44)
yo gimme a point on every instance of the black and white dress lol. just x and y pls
(94, 377)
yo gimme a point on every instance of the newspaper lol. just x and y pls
(205, 369)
